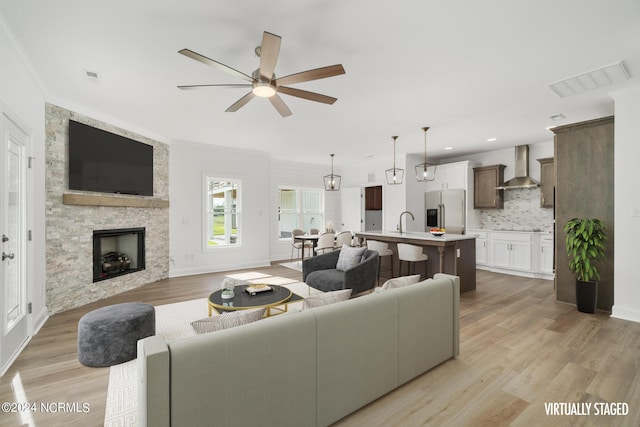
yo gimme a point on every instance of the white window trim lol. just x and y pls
(203, 192)
(300, 213)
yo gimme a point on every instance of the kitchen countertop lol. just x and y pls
(451, 253)
(416, 235)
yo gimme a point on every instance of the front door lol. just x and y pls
(13, 228)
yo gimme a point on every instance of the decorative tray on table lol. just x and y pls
(257, 289)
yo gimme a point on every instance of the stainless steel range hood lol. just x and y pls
(522, 178)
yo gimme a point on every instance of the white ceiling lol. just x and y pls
(471, 70)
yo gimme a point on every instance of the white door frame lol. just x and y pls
(14, 339)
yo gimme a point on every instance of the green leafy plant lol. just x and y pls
(585, 241)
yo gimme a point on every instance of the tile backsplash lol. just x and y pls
(521, 211)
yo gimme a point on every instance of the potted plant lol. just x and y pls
(227, 286)
(585, 240)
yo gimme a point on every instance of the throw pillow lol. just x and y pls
(227, 320)
(326, 298)
(349, 257)
(399, 282)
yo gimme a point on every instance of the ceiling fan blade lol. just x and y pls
(208, 61)
(279, 104)
(269, 52)
(190, 87)
(311, 96)
(315, 74)
(240, 103)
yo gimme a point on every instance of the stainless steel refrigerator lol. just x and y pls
(445, 209)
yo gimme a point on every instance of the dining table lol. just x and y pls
(304, 238)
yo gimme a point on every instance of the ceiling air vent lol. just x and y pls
(591, 80)
(91, 75)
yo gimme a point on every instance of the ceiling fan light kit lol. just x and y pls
(332, 181)
(263, 90)
(263, 82)
(394, 175)
(423, 173)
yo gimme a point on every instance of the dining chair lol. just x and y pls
(344, 238)
(325, 243)
(314, 231)
(296, 244)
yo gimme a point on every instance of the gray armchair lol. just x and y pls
(320, 272)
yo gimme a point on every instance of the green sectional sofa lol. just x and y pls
(308, 368)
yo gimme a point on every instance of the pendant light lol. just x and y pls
(423, 173)
(332, 182)
(394, 175)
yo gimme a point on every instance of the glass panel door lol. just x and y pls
(13, 245)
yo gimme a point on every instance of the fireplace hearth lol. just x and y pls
(118, 252)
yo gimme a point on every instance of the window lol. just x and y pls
(222, 217)
(301, 208)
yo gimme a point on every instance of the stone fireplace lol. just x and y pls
(118, 252)
(72, 217)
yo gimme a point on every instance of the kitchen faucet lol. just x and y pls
(400, 220)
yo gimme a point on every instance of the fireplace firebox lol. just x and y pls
(117, 252)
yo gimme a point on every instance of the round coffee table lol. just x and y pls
(279, 295)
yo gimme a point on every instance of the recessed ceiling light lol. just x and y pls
(557, 117)
(492, 139)
(448, 148)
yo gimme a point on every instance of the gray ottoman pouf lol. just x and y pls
(109, 335)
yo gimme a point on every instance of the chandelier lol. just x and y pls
(331, 181)
(423, 171)
(394, 175)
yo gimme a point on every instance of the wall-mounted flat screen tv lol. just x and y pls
(108, 163)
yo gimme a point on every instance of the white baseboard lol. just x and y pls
(38, 322)
(40, 319)
(625, 313)
(214, 269)
(14, 356)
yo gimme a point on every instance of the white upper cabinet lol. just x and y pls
(451, 176)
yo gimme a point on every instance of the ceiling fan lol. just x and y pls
(263, 81)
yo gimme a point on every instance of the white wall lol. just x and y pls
(626, 296)
(415, 196)
(188, 162)
(22, 100)
(372, 173)
(261, 176)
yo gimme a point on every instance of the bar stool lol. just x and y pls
(410, 253)
(383, 250)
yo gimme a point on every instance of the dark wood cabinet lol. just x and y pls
(373, 198)
(485, 181)
(584, 164)
(547, 182)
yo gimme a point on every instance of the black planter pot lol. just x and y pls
(586, 296)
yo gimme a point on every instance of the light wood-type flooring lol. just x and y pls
(519, 350)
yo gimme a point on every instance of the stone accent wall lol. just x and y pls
(521, 211)
(69, 228)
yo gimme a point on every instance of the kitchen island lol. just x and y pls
(452, 253)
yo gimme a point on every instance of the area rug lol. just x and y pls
(173, 321)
